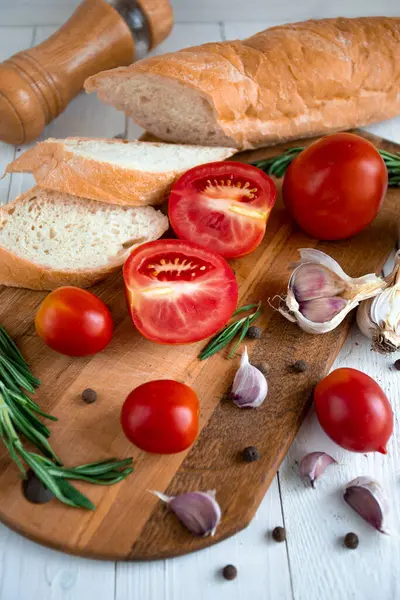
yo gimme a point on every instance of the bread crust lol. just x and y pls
(57, 168)
(291, 81)
(16, 271)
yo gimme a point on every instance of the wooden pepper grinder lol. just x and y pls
(37, 84)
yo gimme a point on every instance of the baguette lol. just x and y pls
(48, 239)
(292, 81)
(117, 171)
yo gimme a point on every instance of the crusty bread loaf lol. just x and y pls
(291, 81)
(48, 239)
(117, 171)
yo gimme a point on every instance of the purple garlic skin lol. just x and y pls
(367, 498)
(198, 511)
(322, 310)
(313, 465)
(316, 281)
(250, 386)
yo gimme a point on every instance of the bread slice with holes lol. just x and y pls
(49, 239)
(129, 173)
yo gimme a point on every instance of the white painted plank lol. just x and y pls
(49, 12)
(31, 572)
(11, 40)
(181, 37)
(262, 567)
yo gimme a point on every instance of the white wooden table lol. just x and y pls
(312, 564)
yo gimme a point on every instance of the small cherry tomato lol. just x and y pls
(354, 411)
(161, 416)
(222, 206)
(178, 292)
(74, 322)
(336, 186)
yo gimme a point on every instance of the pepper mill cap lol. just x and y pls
(160, 18)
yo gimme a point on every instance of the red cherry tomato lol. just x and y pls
(223, 206)
(178, 292)
(161, 416)
(354, 411)
(74, 322)
(335, 187)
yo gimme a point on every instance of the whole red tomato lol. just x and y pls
(354, 411)
(335, 187)
(161, 416)
(74, 322)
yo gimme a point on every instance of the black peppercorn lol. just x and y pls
(279, 534)
(89, 396)
(254, 333)
(264, 367)
(351, 541)
(250, 454)
(34, 490)
(229, 572)
(300, 366)
(397, 364)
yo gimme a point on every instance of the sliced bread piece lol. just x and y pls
(117, 171)
(49, 239)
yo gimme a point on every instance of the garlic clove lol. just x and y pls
(313, 465)
(250, 386)
(198, 511)
(367, 498)
(322, 310)
(355, 290)
(316, 281)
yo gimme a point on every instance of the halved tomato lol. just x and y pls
(223, 206)
(178, 292)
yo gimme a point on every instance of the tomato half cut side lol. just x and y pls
(178, 292)
(222, 206)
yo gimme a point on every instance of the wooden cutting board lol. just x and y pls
(129, 523)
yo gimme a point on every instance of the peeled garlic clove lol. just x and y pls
(313, 465)
(198, 511)
(250, 387)
(367, 498)
(322, 310)
(354, 290)
(316, 281)
(379, 317)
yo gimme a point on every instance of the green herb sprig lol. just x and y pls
(225, 337)
(277, 165)
(18, 416)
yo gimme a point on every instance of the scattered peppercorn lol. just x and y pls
(229, 572)
(351, 541)
(34, 490)
(397, 364)
(279, 534)
(254, 333)
(264, 367)
(300, 366)
(250, 454)
(89, 396)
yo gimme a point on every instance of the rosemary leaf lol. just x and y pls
(224, 337)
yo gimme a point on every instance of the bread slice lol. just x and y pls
(129, 173)
(49, 239)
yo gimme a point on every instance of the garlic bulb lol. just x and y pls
(379, 318)
(320, 294)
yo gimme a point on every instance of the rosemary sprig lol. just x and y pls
(229, 332)
(18, 415)
(277, 165)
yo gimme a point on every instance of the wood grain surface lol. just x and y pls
(129, 523)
